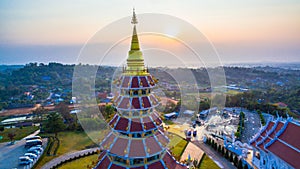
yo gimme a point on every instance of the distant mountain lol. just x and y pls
(10, 68)
(291, 66)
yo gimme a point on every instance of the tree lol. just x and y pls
(231, 157)
(235, 160)
(39, 112)
(207, 141)
(219, 149)
(54, 123)
(240, 164)
(223, 150)
(63, 109)
(1, 128)
(204, 105)
(246, 166)
(107, 111)
(227, 154)
(212, 143)
(11, 136)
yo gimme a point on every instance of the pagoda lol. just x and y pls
(136, 139)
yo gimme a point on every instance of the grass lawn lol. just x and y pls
(232, 92)
(81, 162)
(69, 142)
(168, 122)
(177, 145)
(20, 133)
(208, 163)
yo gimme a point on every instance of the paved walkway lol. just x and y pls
(65, 157)
(216, 157)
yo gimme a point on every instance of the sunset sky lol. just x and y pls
(241, 31)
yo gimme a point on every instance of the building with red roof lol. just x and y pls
(277, 145)
(281, 105)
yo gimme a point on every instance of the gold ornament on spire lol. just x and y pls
(135, 60)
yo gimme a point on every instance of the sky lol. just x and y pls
(241, 31)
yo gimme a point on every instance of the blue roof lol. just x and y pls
(171, 114)
(204, 112)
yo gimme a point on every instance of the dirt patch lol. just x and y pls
(18, 111)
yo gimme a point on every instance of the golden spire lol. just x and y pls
(134, 41)
(134, 20)
(135, 61)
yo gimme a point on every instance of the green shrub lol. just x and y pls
(1, 128)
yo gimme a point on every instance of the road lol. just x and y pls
(216, 157)
(9, 154)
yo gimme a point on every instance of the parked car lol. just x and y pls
(33, 138)
(31, 155)
(36, 152)
(40, 149)
(25, 160)
(35, 142)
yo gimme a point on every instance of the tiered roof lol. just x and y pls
(137, 138)
(281, 138)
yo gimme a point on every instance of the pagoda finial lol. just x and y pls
(134, 20)
(135, 60)
(134, 41)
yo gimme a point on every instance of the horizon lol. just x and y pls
(241, 32)
(282, 65)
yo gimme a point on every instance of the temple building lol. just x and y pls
(136, 139)
(277, 145)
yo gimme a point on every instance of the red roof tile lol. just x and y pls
(269, 127)
(278, 127)
(156, 165)
(142, 167)
(134, 82)
(135, 103)
(108, 141)
(156, 118)
(261, 146)
(146, 102)
(102, 154)
(137, 149)
(150, 80)
(291, 135)
(161, 138)
(104, 163)
(125, 82)
(144, 81)
(114, 120)
(114, 166)
(136, 125)
(124, 103)
(286, 153)
(169, 161)
(148, 123)
(122, 124)
(119, 147)
(152, 145)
